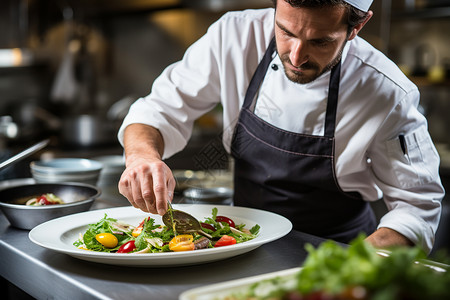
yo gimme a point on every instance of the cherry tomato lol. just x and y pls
(44, 201)
(226, 220)
(107, 239)
(225, 240)
(127, 247)
(137, 231)
(183, 242)
(208, 226)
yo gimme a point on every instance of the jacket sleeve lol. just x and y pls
(405, 164)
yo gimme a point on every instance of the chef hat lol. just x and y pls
(360, 4)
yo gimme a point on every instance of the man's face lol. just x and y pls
(309, 40)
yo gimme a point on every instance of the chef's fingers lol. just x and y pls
(130, 187)
(125, 188)
(137, 195)
(146, 191)
(160, 187)
(148, 186)
(133, 191)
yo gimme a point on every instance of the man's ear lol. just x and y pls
(358, 27)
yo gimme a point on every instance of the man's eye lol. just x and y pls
(320, 43)
(287, 33)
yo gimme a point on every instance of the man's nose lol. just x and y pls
(298, 54)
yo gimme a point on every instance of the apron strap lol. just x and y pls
(259, 75)
(333, 95)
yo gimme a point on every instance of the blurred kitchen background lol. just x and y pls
(70, 69)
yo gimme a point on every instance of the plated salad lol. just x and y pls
(114, 236)
(332, 272)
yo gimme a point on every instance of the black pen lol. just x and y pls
(402, 140)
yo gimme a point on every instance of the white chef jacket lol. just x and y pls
(377, 104)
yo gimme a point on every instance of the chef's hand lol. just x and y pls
(385, 238)
(147, 184)
(147, 181)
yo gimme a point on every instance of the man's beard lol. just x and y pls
(301, 77)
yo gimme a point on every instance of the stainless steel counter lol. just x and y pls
(45, 274)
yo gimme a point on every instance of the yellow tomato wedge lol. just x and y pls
(107, 239)
(184, 242)
(137, 231)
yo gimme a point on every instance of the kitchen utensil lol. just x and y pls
(184, 222)
(169, 205)
(27, 152)
(78, 197)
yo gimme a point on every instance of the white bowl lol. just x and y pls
(66, 170)
(66, 166)
(52, 178)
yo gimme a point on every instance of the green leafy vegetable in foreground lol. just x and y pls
(358, 272)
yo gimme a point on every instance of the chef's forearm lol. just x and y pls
(143, 140)
(386, 237)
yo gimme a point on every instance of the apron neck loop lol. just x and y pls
(259, 75)
(333, 95)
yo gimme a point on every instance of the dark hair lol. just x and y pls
(354, 16)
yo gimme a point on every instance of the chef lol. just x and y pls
(318, 121)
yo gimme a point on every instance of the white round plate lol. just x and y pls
(59, 234)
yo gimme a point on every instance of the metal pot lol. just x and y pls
(88, 131)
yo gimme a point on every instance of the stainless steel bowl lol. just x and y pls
(213, 195)
(78, 197)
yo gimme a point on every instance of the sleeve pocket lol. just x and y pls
(418, 162)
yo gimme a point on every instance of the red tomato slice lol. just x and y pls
(208, 226)
(183, 242)
(127, 247)
(225, 220)
(225, 240)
